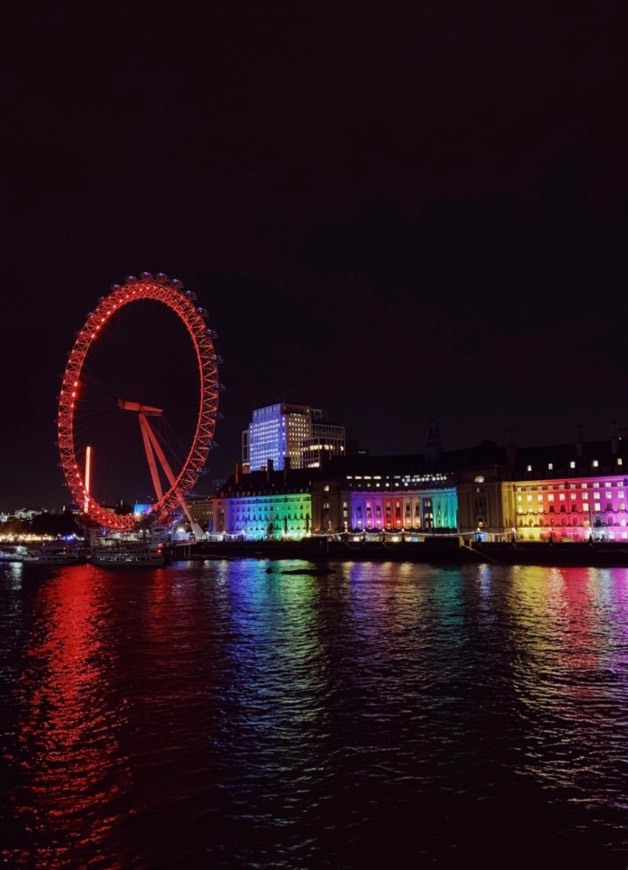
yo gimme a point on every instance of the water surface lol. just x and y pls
(225, 714)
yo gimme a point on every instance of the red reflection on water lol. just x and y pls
(581, 644)
(67, 745)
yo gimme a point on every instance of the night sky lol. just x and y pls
(391, 211)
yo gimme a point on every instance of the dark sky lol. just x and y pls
(390, 211)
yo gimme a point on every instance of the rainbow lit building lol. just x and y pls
(565, 492)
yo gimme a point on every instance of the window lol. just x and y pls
(572, 464)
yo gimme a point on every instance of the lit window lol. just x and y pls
(550, 497)
(595, 463)
(620, 461)
(550, 466)
(529, 468)
(561, 496)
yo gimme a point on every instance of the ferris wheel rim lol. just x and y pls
(170, 293)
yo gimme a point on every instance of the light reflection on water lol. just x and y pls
(227, 713)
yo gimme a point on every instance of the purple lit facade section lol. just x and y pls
(420, 510)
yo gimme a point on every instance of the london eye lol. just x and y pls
(138, 403)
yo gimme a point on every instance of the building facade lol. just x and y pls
(296, 432)
(568, 492)
(263, 505)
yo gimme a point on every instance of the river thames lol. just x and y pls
(226, 714)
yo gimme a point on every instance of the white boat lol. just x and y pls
(128, 557)
(11, 556)
(51, 557)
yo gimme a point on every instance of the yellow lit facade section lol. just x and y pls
(576, 509)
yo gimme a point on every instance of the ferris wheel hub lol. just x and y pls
(147, 410)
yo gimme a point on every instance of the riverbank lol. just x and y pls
(434, 551)
(600, 554)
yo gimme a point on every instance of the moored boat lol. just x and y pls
(128, 557)
(11, 556)
(51, 557)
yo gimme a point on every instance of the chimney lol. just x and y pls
(615, 438)
(511, 448)
(579, 444)
(238, 472)
(286, 467)
(433, 442)
(269, 469)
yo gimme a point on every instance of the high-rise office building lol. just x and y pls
(285, 430)
(327, 440)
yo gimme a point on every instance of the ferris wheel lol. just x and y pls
(139, 402)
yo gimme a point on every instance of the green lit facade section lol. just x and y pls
(268, 516)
